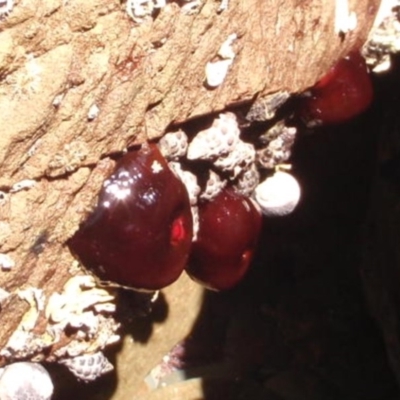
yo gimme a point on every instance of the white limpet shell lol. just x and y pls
(25, 380)
(278, 195)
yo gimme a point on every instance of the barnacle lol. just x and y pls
(6, 7)
(173, 145)
(6, 262)
(78, 305)
(218, 140)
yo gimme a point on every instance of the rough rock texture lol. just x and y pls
(79, 80)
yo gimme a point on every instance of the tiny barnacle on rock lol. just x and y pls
(6, 7)
(213, 186)
(68, 159)
(93, 112)
(21, 185)
(345, 20)
(217, 70)
(139, 10)
(223, 6)
(191, 6)
(6, 262)
(173, 145)
(25, 380)
(88, 367)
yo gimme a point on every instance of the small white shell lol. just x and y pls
(278, 195)
(25, 380)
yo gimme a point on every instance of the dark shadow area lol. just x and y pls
(299, 326)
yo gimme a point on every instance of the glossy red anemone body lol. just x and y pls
(342, 94)
(229, 228)
(140, 234)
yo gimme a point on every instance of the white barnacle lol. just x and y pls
(25, 380)
(28, 79)
(93, 112)
(345, 21)
(58, 100)
(216, 71)
(173, 145)
(139, 10)
(223, 6)
(6, 7)
(21, 185)
(88, 367)
(191, 6)
(278, 195)
(78, 306)
(218, 140)
(6, 262)
(213, 187)
(239, 159)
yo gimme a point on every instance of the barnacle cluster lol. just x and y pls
(384, 38)
(82, 309)
(140, 10)
(231, 161)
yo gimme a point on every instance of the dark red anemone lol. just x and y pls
(140, 233)
(343, 93)
(229, 228)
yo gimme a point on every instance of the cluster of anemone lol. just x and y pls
(155, 219)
